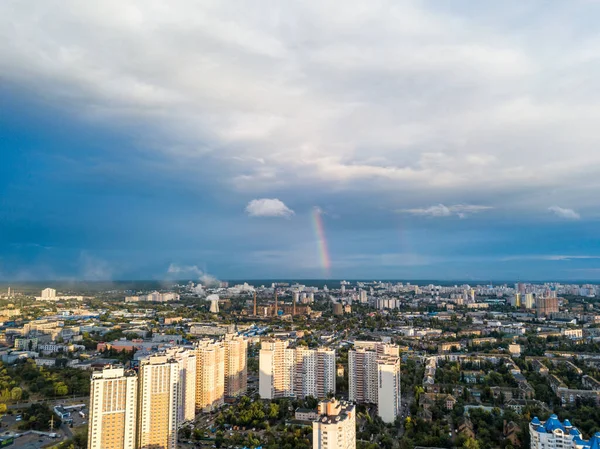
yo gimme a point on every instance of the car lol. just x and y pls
(19, 419)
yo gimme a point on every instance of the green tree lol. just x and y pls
(16, 394)
(471, 443)
(273, 411)
(60, 389)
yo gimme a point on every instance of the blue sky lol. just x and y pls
(437, 140)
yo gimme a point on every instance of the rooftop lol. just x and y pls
(552, 424)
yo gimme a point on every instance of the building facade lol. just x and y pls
(362, 376)
(552, 433)
(157, 405)
(546, 306)
(275, 369)
(186, 394)
(210, 375)
(299, 372)
(374, 377)
(388, 391)
(113, 409)
(314, 372)
(236, 368)
(336, 426)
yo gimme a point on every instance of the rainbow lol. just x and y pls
(321, 241)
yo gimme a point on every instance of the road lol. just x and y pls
(66, 430)
(82, 399)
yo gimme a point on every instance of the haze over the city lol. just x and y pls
(357, 139)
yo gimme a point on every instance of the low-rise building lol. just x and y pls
(306, 414)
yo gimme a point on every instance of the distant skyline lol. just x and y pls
(299, 140)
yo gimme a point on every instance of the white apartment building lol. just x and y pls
(336, 426)
(113, 409)
(210, 375)
(236, 365)
(374, 377)
(388, 391)
(186, 395)
(314, 372)
(529, 301)
(362, 376)
(48, 294)
(299, 372)
(363, 297)
(157, 406)
(552, 434)
(572, 333)
(154, 297)
(49, 348)
(275, 369)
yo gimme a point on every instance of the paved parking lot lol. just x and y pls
(33, 441)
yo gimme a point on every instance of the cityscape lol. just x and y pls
(356, 364)
(316, 224)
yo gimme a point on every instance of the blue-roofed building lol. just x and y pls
(554, 434)
(592, 443)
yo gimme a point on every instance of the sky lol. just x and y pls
(302, 139)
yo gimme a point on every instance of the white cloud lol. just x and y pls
(569, 214)
(268, 207)
(94, 268)
(550, 257)
(193, 271)
(440, 210)
(184, 269)
(310, 95)
(433, 211)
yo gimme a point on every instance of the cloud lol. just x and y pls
(569, 214)
(268, 207)
(440, 210)
(347, 100)
(550, 257)
(184, 269)
(93, 268)
(206, 279)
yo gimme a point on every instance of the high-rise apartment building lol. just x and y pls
(299, 372)
(186, 395)
(546, 306)
(210, 375)
(529, 301)
(275, 369)
(113, 409)
(157, 405)
(515, 301)
(336, 426)
(380, 348)
(374, 377)
(362, 376)
(235, 370)
(48, 293)
(388, 389)
(314, 372)
(363, 297)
